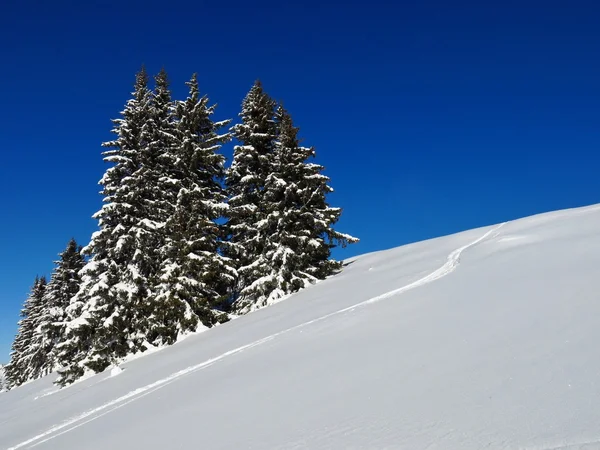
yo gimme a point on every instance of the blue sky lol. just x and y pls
(431, 117)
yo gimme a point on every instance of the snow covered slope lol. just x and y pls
(484, 339)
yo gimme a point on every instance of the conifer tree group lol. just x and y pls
(182, 240)
(42, 328)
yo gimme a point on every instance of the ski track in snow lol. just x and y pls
(449, 266)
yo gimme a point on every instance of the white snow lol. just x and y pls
(484, 339)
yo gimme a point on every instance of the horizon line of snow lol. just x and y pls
(449, 266)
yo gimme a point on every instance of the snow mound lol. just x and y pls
(115, 371)
(483, 339)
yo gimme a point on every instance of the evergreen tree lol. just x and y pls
(156, 321)
(195, 276)
(306, 219)
(297, 227)
(3, 383)
(18, 369)
(101, 317)
(245, 179)
(50, 332)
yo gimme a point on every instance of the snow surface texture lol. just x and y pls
(484, 339)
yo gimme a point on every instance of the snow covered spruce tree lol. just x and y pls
(50, 331)
(18, 369)
(245, 179)
(102, 316)
(297, 228)
(279, 213)
(194, 274)
(304, 232)
(158, 322)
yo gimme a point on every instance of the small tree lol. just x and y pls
(18, 370)
(50, 332)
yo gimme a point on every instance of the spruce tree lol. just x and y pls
(50, 332)
(305, 219)
(21, 358)
(283, 211)
(101, 317)
(195, 277)
(245, 179)
(156, 321)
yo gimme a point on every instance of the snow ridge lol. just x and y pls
(449, 266)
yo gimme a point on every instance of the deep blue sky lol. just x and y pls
(430, 116)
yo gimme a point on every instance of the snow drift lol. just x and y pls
(483, 339)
